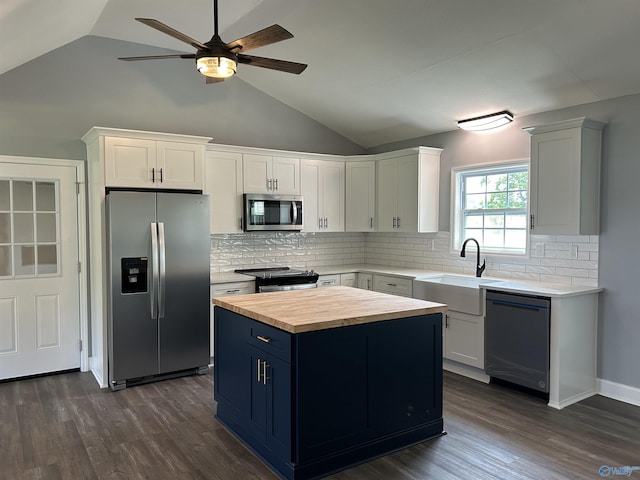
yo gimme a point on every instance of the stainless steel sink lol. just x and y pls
(461, 293)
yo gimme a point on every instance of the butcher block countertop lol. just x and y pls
(299, 311)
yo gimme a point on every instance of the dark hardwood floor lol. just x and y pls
(65, 427)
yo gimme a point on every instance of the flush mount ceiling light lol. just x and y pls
(486, 122)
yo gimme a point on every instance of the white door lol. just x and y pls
(39, 281)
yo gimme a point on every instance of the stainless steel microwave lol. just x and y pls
(272, 212)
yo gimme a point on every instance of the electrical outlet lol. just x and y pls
(574, 251)
(539, 249)
(433, 244)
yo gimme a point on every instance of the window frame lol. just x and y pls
(457, 217)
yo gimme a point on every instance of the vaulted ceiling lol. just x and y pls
(379, 71)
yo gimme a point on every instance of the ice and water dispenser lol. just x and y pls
(134, 274)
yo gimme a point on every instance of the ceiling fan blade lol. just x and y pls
(171, 32)
(158, 57)
(214, 80)
(266, 36)
(273, 64)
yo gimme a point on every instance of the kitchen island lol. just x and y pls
(314, 381)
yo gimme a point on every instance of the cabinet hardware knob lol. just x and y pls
(398, 222)
(326, 222)
(276, 183)
(161, 175)
(532, 217)
(153, 175)
(263, 339)
(258, 370)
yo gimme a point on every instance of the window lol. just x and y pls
(29, 228)
(490, 205)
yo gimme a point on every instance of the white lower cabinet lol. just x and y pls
(364, 281)
(393, 285)
(463, 336)
(345, 279)
(348, 279)
(224, 290)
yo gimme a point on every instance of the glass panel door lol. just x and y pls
(29, 228)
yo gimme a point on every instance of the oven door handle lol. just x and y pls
(281, 288)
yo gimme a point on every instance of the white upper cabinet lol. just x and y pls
(135, 159)
(360, 196)
(271, 174)
(322, 188)
(223, 184)
(408, 191)
(564, 177)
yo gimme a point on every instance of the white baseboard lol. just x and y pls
(619, 391)
(465, 370)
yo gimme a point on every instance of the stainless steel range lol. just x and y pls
(281, 278)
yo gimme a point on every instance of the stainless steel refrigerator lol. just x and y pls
(158, 312)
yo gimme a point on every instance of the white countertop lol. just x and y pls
(503, 284)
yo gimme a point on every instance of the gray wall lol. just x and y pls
(619, 262)
(48, 104)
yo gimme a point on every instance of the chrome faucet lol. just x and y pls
(479, 268)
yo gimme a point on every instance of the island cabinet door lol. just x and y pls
(270, 419)
(405, 373)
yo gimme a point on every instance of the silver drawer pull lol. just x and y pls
(392, 284)
(234, 290)
(263, 339)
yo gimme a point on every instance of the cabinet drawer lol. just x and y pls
(329, 280)
(393, 285)
(348, 279)
(270, 339)
(236, 288)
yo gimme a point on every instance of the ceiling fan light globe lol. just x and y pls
(217, 67)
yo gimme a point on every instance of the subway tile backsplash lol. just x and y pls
(566, 259)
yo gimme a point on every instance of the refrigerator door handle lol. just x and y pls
(154, 269)
(162, 256)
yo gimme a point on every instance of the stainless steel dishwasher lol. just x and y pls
(516, 339)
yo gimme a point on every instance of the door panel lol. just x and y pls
(184, 330)
(39, 281)
(133, 331)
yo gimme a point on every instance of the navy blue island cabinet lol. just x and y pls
(319, 401)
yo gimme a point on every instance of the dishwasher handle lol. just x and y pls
(525, 306)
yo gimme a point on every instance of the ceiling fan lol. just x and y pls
(218, 60)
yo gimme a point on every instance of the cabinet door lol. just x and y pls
(365, 281)
(555, 182)
(129, 162)
(310, 190)
(256, 173)
(333, 196)
(360, 196)
(180, 165)
(223, 184)
(387, 192)
(286, 175)
(464, 338)
(278, 405)
(407, 188)
(270, 412)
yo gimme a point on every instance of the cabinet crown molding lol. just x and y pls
(583, 122)
(95, 132)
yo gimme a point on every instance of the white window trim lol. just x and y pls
(455, 222)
